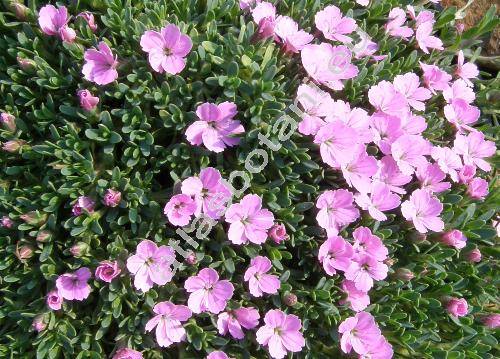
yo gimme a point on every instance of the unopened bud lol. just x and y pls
(79, 249)
(39, 323)
(24, 252)
(25, 64)
(474, 256)
(6, 222)
(34, 218)
(191, 259)
(404, 274)
(290, 299)
(13, 146)
(44, 236)
(8, 121)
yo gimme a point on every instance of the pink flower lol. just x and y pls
(278, 233)
(216, 128)
(179, 209)
(333, 25)
(316, 104)
(259, 282)
(112, 198)
(459, 90)
(467, 173)
(474, 256)
(423, 16)
(466, 71)
(454, 238)
(363, 270)
(448, 161)
(492, 321)
(74, 286)
(357, 299)
(366, 47)
(217, 355)
(166, 49)
(328, 65)
(89, 19)
(424, 210)
(167, 321)
(151, 265)
(434, 78)
(431, 177)
(39, 323)
(477, 188)
(292, 38)
(83, 203)
(335, 253)
(394, 27)
(409, 152)
(409, 86)
(474, 148)
(54, 300)
(358, 170)
(107, 271)
(457, 307)
(379, 200)
(461, 114)
(378, 349)
(385, 98)
(8, 120)
(359, 121)
(336, 209)
(368, 243)
(248, 221)
(87, 101)
(208, 293)
(264, 15)
(127, 353)
(209, 192)
(281, 333)
(247, 4)
(412, 124)
(424, 38)
(389, 174)
(336, 141)
(54, 21)
(232, 321)
(6, 222)
(100, 65)
(359, 333)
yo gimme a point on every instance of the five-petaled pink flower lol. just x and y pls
(395, 27)
(385, 98)
(259, 282)
(389, 173)
(264, 15)
(473, 148)
(431, 178)
(448, 161)
(461, 114)
(363, 270)
(166, 49)
(378, 200)
(74, 286)
(100, 65)
(336, 141)
(423, 209)
(233, 320)
(365, 242)
(424, 38)
(208, 293)
(336, 209)
(358, 333)
(281, 333)
(357, 299)
(179, 209)
(359, 169)
(54, 21)
(168, 324)
(409, 86)
(434, 78)
(409, 152)
(151, 265)
(335, 254)
(292, 38)
(466, 70)
(248, 221)
(333, 25)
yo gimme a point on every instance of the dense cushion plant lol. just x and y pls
(222, 179)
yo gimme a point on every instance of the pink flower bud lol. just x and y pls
(126, 353)
(404, 274)
(54, 300)
(67, 34)
(24, 252)
(457, 307)
(454, 238)
(474, 256)
(278, 233)
(107, 271)
(290, 299)
(81, 204)
(467, 173)
(191, 259)
(34, 218)
(8, 121)
(460, 28)
(79, 249)
(13, 146)
(6, 222)
(87, 101)
(39, 323)
(26, 64)
(43, 236)
(492, 321)
(477, 188)
(112, 198)
(89, 18)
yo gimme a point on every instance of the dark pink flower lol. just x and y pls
(74, 286)
(54, 21)
(492, 321)
(112, 198)
(6, 222)
(457, 307)
(335, 254)
(363, 270)
(336, 209)
(278, 233)
(8, 120)
(83, 203)
(54, 300)
(127, 353)
(107, 271)
(454, 238)
(365, 242)
(87, 101)
(477, 188)
(474, 256)
(39, 323)
(89, 19)
(179, 209)
(357, 299)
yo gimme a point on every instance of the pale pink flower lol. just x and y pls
(473, 148)
(281, 333)
(83, 203)
(54, 21)
(215, 128)
(363, 270)
(54, 300)
(168, 322)
(6, 222)
(74, 286)
(179, 209)
(477, 188)
(232, 321)
(209, 192)
(259, 282)
(333, 25)
(379, 200)
(409, 152)
(151, 265)
(448, 161)
(166, 49)
(423, 16)
(89, 19)
(366, 47)
(378, 349)
(459, 90)
(208, 293)
(100, 65)
(357, 299)
(264, 15)
(425, 39)
(107, 271)
(461, 114)
(394, 27)
(328, 65)
(492, 321)
(385, 98)
(431, 178)
(248, 221)
(434, 78)
(8, 120)
(247, 4)
(336, 141)
(385, 130)
(409, 86)
(413, 124)
(316, 104)
(112, 198)
(466, 174)
(336, 209)
(335, 254)
(466, 71)
(127, 353)
(454, 238)
(292, 38)
(358, 170)
(358, 120)
(423, 209)
(457, 307)
(217, 355)
(365, 242)
(359, 333)
(278, 233)
(87, 100)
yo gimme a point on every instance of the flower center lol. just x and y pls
(167, 52)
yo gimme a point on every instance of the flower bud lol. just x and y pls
(457, 307)
(404, 274)
(79, 249)
(191, 259)
(44, 236)
(89, 18)
(87, 101)
(54, 300)
(26, 64)
(492, 321)
(278, 233)
(13, 146)
(454, 238)
(34, 218)
(107, 271)
(474, 256)
(127, 353)
(81, 204)
(290, 299)
(8, 121)
(112, 198)
(6, 222)
(39, 323)
(477, 188)
(460, 28)
(24, 252)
